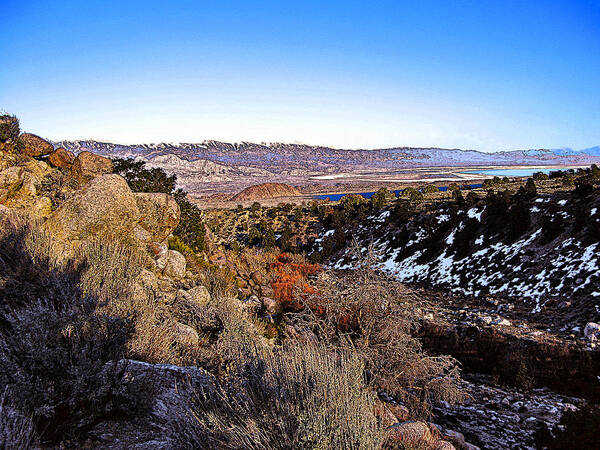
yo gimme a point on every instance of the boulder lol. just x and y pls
(454, 437)
(11, 178)
(88, 165)
(592, 331)
(198, 296)
(174, 264)
(384, 416)
(186, 335)
(35, 146)
(159, 216)
(104, 207)
(146, 284)
(61, 158)
(440, 444)
(408, 435)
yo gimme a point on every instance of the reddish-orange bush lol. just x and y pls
(290, 279)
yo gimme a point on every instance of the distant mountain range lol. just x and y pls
(220, 162)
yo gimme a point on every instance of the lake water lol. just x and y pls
(493, 172)
(337, 197)
(510, 172)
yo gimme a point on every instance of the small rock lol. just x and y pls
(455, 437)
(186, 335)
(252, 305)
(592, 331)
(271, 305)
(197, 296)
(175, 264)
(257, 277)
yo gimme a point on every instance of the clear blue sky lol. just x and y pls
(488, 75)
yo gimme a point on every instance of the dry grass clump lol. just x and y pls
(363, 312)
(294, 397)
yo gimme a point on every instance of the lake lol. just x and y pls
(397, 192)
(511, 172)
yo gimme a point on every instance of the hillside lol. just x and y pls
(266, 191)
(541, 248)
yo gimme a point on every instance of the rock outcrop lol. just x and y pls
(104, 207)
(35, 146)
(266, 191)
(88, 165)
(159, 216)
(61, 158)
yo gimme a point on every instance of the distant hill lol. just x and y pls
(289, 158)
(216, 167)
(265, 191)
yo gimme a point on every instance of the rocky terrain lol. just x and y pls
(215, 167)
(115, 333)
(125, 323)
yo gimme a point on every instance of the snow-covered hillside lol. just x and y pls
(539, 248)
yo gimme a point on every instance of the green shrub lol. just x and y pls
(381, 198)
(413, 195)
(431, 189)
(140, 179)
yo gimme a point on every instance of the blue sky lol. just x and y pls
(486, 75)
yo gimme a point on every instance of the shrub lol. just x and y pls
(529, 190)
(57, 355)
(381, 198)
(519, 220)
(9, 128)
(16, 429)
(413, 195)
(191, 227)
(141, 179)
(431, 189)
(255, 207)
(472, 198)
(294, 397)
(364, 312)
(539, 176)
(488, 184)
